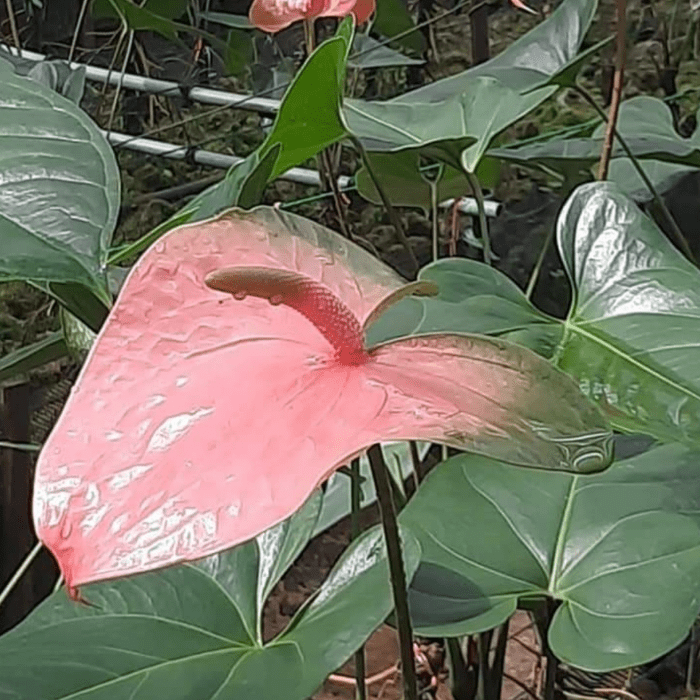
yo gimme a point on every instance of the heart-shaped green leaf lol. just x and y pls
(612, 548)
(190, 631)
(59, 197)
(631, 334)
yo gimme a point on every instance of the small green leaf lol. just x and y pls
(392, 18)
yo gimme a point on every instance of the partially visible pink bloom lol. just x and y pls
(274, 15)
(522, 6)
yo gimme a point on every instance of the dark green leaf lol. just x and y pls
(392, 18)
(613, 548)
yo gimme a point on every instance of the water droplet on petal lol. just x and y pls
(66, 529)
(276, 300)
(240, 296)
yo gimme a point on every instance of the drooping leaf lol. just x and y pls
(267, 394)
(52, 347)
(183, 633)
(613, 548)
(630, 338)
(59, 196)
(370, 53)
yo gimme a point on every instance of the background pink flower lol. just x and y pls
(274, 15)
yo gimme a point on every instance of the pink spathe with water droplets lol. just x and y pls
(231, 378)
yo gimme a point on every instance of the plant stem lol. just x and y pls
(618, 77)
(538, 265)
(677, 235)
(380, 474)
(434, 211)
(20, 571)
(355, 503)
(483, 225)
(393, 216)
(13, 27)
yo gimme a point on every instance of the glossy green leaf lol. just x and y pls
(59, 197)
(631, 334)
(52, 347)
(181, 633)
(613, 548)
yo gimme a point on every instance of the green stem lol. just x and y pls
(676, 232)
(393, 216)
(483, 224)
(380, 474)
(355, 504)
(538, 265)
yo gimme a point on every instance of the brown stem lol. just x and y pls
(618, 77)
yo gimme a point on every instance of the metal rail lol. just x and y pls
(211, 96)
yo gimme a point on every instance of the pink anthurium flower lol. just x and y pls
(274, 15)
(231, 378)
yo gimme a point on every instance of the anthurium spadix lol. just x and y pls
(232, 377)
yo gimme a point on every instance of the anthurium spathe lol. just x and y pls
(232, 377)
(274, 15)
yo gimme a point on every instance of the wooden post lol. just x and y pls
(17, 536)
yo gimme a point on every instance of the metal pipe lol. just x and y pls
(167, 88)
(265, 105)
